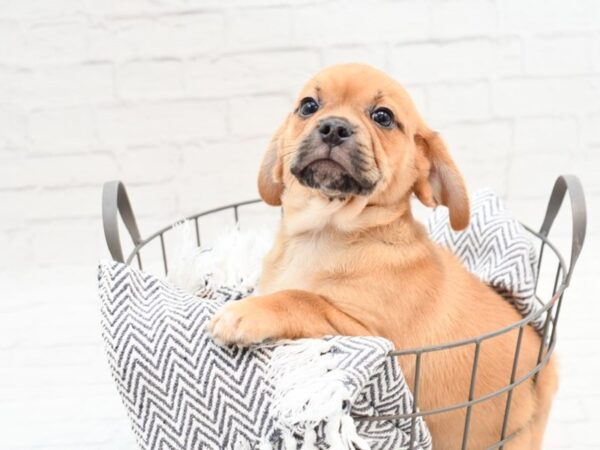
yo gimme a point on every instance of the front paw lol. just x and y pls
(244, 323)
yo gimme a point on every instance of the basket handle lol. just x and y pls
(571, 184)
(115, 202)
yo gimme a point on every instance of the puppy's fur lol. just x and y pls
(350, 259)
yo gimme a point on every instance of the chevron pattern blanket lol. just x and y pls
(182, 391)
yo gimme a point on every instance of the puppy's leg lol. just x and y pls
(288, 314)
(546, 387)
(531, 437)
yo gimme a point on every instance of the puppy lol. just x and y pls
(350, 259)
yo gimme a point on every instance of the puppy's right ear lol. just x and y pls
(270, 176)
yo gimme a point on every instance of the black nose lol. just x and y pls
(335, 130)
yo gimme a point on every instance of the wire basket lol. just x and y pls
(115, 203)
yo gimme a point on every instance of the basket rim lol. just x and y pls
(418, 351)
(546, 305)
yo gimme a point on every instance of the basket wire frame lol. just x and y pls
(116, 202)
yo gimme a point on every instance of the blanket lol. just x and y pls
(183, 391)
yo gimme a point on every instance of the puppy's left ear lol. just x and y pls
(270, 175)
(439, 182)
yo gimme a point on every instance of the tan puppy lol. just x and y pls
(350, 259)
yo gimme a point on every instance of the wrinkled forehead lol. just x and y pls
(358, 86)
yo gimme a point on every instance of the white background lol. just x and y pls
(178, 99)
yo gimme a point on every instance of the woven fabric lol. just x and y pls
(182, 391)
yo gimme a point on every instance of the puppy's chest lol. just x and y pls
(302, 265)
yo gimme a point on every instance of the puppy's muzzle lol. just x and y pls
(331, 159)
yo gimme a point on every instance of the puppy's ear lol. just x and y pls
(270, 175)
(439, 182)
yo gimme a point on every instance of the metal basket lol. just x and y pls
(115, 202)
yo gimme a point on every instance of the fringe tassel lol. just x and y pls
(350, 436)
(234, 260)
(310, 439)
(309, 392)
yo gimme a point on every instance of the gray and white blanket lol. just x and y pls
(183, 391)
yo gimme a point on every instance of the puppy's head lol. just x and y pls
(355, 133)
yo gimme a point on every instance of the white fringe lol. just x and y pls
(235, 259)
(309, 391)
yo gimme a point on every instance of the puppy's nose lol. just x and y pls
(335, 130)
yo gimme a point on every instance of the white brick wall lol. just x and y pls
(99, 90)
(179, 97)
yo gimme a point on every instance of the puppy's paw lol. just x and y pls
(244, 323)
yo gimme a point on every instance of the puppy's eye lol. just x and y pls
(383, 117)
(308, 106)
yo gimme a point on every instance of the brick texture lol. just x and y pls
(178, 98)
